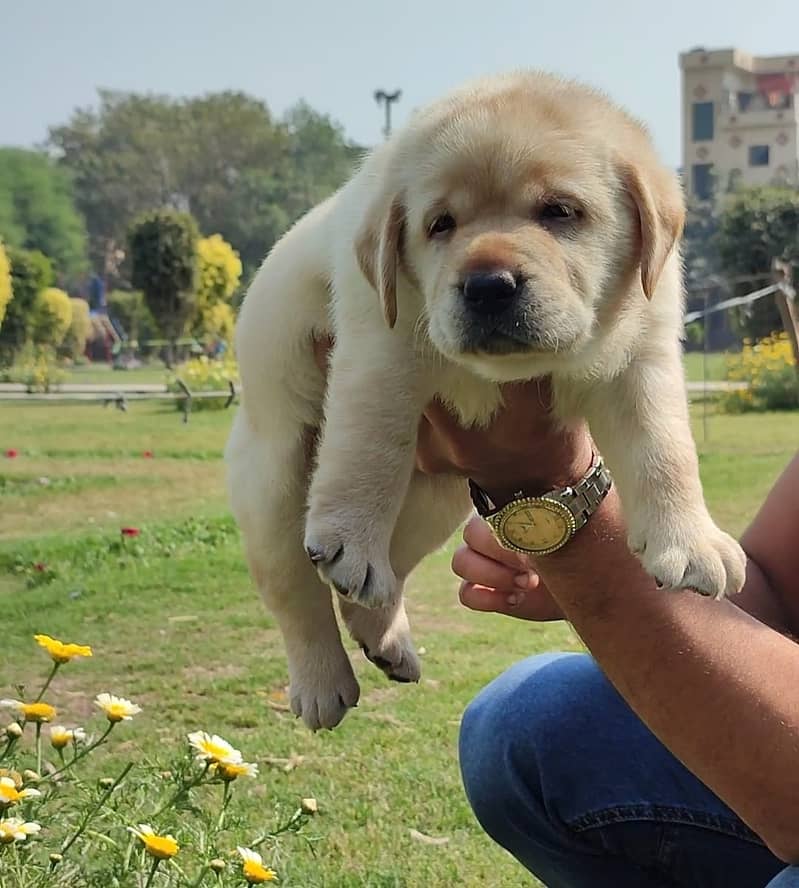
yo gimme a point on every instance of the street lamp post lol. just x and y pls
(387, 100)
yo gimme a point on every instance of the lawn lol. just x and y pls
(105, 374)
(698, 366)
(177, 627)
(155, 372)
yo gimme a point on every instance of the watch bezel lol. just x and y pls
(499, 520)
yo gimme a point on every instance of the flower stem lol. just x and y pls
(154, 867)
(46, 685)
(9, 746)
(82, 754)
(181, 791)
(103, 799)
(225, 802)
(297, 818)
(39, 748)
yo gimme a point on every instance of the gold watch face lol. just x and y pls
(535, 526)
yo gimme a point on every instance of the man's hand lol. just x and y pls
(498, 580)
(524, 448)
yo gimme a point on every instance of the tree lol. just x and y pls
(758, 225)
(52, 316)
(163, 252)
(80, 328)
(5, 282)
(222, 157)
(31, 272)
(37, 209)
(129, 310)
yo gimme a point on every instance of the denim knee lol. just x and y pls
(512, 716)
(788, 878)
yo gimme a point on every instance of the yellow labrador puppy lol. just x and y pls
(520, 227)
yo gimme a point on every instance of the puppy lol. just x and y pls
(520, 227)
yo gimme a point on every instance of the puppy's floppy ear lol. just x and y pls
(661, 214)
(378, 247)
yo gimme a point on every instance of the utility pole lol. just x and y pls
(387, 99)
(782, 275)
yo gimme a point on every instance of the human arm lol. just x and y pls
(715, 681)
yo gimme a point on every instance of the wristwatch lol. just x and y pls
(538, 525)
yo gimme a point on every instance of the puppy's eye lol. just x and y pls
(441, 225)
(558, 212)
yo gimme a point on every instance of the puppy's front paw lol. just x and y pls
(356, 568)
(698, 556)
(322, 688)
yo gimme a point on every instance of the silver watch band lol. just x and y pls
(583, 499)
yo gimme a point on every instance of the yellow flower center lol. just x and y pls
(61, 739)
(231, 770)
(256, 873)
(38, 712)
(61, 652)
(9, 794)
(161, 847)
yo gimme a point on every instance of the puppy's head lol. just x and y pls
(525, 210)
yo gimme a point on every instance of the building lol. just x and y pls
(739, 121)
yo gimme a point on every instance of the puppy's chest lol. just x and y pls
(472, 399)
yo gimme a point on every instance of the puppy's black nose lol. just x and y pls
(489, 292)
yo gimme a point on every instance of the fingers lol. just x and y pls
(478, 569)
(478, 536)
(536, 605)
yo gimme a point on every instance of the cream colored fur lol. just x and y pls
(605, 296)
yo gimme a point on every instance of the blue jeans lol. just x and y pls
(563, 775)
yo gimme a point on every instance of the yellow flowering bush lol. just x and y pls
(36, 367)
(219, 270)
(219, 274)
(218, 322)
(80, 328)
(52, 315)
(204, 374)
(5, 282)
(768, 368)
(146, 826)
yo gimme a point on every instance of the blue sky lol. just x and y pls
(335, 54)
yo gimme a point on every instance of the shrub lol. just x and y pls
(36, 367)
(80, 328)
(61, 828)
(218, 322)
(129, 308)
(5, 282)
(219, 271)
(52, 316)
(768, 367)
(31, 272)
(205, 374)
(163, 252)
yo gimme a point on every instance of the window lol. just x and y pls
(703, 122)
(758, 155)
(702, 180)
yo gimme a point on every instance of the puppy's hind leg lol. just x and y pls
(434, 508)
(267, 495)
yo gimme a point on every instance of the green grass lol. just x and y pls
(177, 627)
(106, 375)
(696, 366)
(103, 373)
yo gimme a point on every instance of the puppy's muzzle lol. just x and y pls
(488, 293)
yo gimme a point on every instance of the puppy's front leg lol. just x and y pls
(365, 461)
(641, 425)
